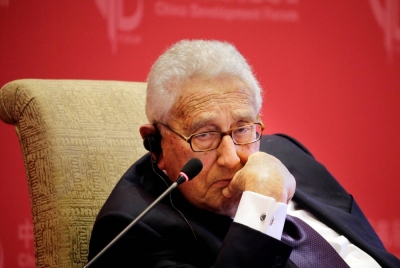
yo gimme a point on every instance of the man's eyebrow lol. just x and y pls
(200, 122)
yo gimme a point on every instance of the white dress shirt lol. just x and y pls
(264, 214)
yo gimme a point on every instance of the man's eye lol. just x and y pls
(242, 130)
(205, 135)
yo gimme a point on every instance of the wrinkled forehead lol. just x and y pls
(208, 99)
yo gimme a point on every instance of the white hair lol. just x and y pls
(193, 58)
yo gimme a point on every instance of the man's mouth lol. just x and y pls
(222, 183)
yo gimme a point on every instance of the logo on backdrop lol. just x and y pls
(387, 15)
(121, 27)
(229, 10)
(25, 234)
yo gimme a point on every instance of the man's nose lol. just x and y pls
(227, 155)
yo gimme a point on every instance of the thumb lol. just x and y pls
(234, 187)
(227, 191)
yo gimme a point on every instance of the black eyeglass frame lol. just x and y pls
(222, 133)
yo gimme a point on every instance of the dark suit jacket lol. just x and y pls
(176, 234)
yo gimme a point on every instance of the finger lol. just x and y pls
(229, 191)
(234, 188)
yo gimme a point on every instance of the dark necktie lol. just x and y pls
(310, 249)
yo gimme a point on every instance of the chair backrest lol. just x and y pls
(77, 137)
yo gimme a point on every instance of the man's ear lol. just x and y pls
(146, 130)
(152, 142)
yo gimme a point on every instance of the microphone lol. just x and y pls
(188, 172)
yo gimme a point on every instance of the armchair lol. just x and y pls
(77, 138)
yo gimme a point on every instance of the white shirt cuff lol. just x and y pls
(261, 213)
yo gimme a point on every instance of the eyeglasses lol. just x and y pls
(210, 140)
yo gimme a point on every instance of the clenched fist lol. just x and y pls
(263, 174)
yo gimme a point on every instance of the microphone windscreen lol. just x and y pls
(192, 168)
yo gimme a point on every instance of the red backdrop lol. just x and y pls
(331, 71)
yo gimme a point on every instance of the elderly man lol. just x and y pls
(204, 102)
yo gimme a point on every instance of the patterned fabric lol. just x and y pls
(77, 137)
(310, 249)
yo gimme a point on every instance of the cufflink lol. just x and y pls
(263, 216)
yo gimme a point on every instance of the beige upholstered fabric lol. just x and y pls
(77, 137)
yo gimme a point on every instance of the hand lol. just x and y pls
(263, 174)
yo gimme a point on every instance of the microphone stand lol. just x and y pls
(173, 186)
